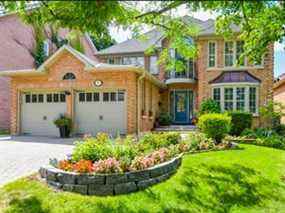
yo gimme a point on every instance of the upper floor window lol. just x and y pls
(211, 54)
(188, 72)
(153, 66)
(233, 53)
(133, 60)
(46, 47)
(69, 76)
(126, 60)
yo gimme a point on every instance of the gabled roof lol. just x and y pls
(235, 77)
(87, 61)
(155, 37)
(90, 66)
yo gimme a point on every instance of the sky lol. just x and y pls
(279, 53)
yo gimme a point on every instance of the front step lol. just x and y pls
(175, 128)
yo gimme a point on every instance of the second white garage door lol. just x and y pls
(39, 110)
(101, 112)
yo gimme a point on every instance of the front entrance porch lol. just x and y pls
(181, 106)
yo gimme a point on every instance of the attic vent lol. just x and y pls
(69, 76)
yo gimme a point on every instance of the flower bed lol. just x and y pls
(109, 184)
(133, 164)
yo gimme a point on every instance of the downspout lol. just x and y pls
(141, 77)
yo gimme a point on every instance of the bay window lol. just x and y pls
(217, 95)
(229, 99)
(240, 97)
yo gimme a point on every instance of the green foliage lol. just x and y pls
(63, 121)
(240, 121)
(271, 113)
(246, 180)
(199, 141)
(103, 41)
(91, 149)
(255, 19)
(154, 141)
(209, 106)
(164, 119)
(280, 129)
(125, 150)
(215, 125)
(74, 40)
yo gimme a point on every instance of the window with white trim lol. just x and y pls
(229, 54)
(217, 95)
(189, 65)
(240, 98)
(211, 54)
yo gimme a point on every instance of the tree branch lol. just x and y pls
(163, 10)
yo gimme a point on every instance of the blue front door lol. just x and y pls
(181, 107)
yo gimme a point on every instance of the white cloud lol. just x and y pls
(279, 46)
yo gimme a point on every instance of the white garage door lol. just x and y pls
(101, 112)
(39, 111)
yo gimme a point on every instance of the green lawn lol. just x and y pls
(244, 180)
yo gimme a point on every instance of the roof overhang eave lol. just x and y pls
(16, 73)
(125, 68)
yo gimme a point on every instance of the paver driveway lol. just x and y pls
(21, 156)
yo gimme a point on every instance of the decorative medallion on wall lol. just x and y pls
(98, 83)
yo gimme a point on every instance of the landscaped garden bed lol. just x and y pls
(101, 166)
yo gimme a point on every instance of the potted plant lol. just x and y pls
(64, 124)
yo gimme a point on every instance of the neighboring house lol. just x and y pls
(17, 44)
(279, 91)
(127, 90)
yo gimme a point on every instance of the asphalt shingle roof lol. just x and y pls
(235, 77)
(155, 36)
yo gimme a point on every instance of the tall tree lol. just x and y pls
(261, 22)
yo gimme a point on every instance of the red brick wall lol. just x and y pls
(17, 43)
(4, 103)
(84, 80)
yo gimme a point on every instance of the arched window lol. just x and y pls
(69, 76)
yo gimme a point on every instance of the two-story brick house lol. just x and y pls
(127, 90)
(213, 74)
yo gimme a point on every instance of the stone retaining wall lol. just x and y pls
(109, 184)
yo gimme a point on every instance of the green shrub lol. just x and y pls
(248, 133)
(155, 141)
(209, 106)
(215, 125)
(164, 119)
(240, 121)
(91, 149)
(199, 141)
(63, 121)
(280, 129)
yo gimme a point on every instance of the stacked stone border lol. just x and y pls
(109, 184)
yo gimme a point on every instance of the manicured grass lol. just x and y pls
(4, 132)
(250, 179)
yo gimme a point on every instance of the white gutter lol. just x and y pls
(141, 77)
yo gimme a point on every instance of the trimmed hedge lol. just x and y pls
(215, 125)
(240, 122)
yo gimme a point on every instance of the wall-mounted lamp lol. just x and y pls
(67, 93)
